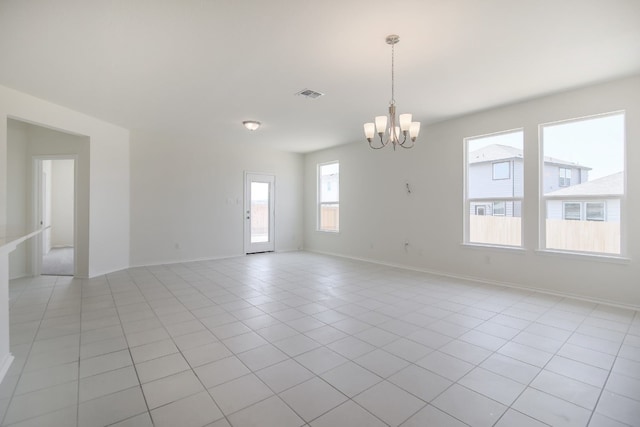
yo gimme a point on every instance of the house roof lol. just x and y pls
(607, 185)
(494, 152)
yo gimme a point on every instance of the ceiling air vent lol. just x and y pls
(308, 93)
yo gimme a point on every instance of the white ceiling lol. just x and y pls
(197, 68)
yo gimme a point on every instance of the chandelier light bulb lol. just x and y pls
(414, 130)
(369, 131)
(381, 124)
(405, 122)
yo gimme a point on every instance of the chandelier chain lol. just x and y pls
(393, 98)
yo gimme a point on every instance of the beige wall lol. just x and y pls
(42, 142)
(107, 176)
(18, 192)
(377, 216)
(187, 197)
(62, 181)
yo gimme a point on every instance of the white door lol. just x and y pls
(259, 213)
(54, 207)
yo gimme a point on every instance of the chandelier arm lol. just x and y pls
(403, 144)
(377, 148)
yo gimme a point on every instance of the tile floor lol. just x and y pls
(299, 339)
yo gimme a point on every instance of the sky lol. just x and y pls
(259, 191)
(596, 142)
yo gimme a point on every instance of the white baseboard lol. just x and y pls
(486, 281)
(5, 365)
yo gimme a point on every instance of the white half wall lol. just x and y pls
(187, 197)
(377, 216)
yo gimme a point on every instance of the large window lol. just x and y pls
(494, 189)
(581, 211)
(329, 196)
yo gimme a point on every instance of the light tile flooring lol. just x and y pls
(301, 339)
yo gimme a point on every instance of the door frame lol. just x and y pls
(269, 246)
(37, 209)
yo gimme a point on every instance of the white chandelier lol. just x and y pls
(403, 127)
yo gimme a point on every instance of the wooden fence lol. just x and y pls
(586, 236)
(259, 222)
(495, 230)
(582, 236)
(329, 217)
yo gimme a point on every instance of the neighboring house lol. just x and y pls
(589, 201)
(497, 171)
(561, 174)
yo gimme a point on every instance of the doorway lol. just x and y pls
(259, 213)
(54, 206)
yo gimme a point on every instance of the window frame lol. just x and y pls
(320, 203)
(489, 201)
(543, 200)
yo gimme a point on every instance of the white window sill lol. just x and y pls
(615, 259)
(498, 248)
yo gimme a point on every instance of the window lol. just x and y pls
(502, 170)
(494, 189)
(498, 208)
(329, 197)
(583, 208)
(584, 211)
(594, 211)
(572, 211)
(565, 177)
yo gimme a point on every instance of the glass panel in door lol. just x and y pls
(259, 212)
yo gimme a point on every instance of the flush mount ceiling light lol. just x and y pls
(251, 124)
(397, 129)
